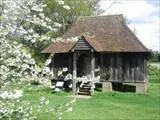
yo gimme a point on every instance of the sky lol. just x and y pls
(144, 17)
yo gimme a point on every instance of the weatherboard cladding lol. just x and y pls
(103, 33)
(82, 44)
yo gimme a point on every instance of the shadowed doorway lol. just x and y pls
(83, 65)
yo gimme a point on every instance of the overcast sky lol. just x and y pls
(144, 16)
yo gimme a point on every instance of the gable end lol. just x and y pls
(82, 44)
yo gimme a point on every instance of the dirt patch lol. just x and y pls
(80, 96)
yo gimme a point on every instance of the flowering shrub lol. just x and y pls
(11, 95)
(61, 109)
(16, 110)
(19, 20)
(18, 23)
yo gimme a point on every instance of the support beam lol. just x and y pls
(127, 67)
(102, 63)
(119, 67)
(111, 67)
(74, 72)
(70, 64)
(145, 70)
(92, 72)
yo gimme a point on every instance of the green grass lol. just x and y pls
(102, 106)
(111, 106)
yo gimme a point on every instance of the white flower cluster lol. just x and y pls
(11, 95)
(17, 11)
(38, 8)
(67, 107)
(61, 2)
(72, 39)
(22, 109)
(66, 7)
(48, 61)
(16, 62)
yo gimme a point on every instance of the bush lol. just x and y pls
(154, 74)
(15, 110)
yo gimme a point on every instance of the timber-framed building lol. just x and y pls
(106, 51)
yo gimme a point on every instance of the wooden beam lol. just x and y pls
(70, 63)
(74, 71)
(101, 59)
(120, 72)
(127, 67)
(116, 67)
(111, 67)
(145, 69)
(92, 72)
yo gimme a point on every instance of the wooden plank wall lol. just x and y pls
(125, 67)
(119, 67)
(62, 60)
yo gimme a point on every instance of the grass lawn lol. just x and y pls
(104, 106)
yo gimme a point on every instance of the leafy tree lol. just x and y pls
(154, 56)
(61, 13)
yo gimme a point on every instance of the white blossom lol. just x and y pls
(66, 7)
(15, 59)
(11, 95)
(70, 109)
(74, 100)
(42, 98)
(47, 102)
(37, 8)
(42, 15)
(57, 24)
(60, 2)
(48, 61)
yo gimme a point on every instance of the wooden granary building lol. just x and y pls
(105, 50)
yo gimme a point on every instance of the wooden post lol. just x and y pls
(111, 67)
(145, 69)
(70, 64)
(120, 68)
(116, 67)
(74, 71)
(133, 69)
(127, 70)
(139, 69)
(92, 72)
(102, 61)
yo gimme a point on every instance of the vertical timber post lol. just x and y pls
(74, 72)
(111, 67)
(92, 71)
(102, 61)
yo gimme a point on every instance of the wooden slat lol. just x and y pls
(120, 70)
(82, 45)
(127, 70)
(74, 71)
(111, 67)
(92, 72)
(116, 68)
(145, 69)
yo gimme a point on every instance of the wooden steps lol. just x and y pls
(85, 88)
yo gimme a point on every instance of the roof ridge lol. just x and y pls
(101, 15)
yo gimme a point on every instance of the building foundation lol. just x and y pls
(141, 88)
(106, 87)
